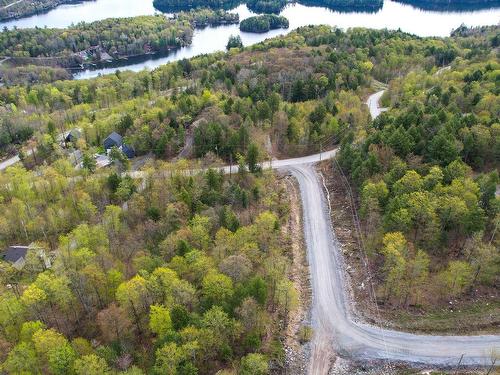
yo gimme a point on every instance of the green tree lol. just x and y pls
(168, 357)
(456, 278)
(22, 359)
(406, 270)
(234, 42)
(29, 328)
(89, 163)
(252, 158)
(61, 359)
(133, 295)
(254, 364)
(223, 329)
(217, 289)
(159, 320)
(91, 365)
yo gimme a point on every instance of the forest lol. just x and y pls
(203, 17)
(267, 6)
(160, 121)
(31, 74)
(264, 23)
(457, 5)
(20, 9)
(368, 6)
(111, 38)
(183, 5)
(427, 175)
(191, 273)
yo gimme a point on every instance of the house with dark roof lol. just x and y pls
(116, 140)
(16, 256)
(72, 136)
(128, 151)
(113, 140)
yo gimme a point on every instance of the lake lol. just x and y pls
(392, 15)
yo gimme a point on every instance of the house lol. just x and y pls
(128, 151)
(116, 140)
(113, 140)
(72, 136)
(17, 255)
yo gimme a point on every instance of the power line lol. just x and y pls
(361, 245)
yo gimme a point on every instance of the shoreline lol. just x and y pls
(36, 12)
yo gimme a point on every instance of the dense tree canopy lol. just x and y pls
(189, 273)
(166, 284)
(17, 9)
(427, 171)
(264, 23)
(111, 38)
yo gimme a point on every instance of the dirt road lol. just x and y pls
(334, 325)
(332, 317)
(373, 104)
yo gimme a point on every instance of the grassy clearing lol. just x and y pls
(468, 319)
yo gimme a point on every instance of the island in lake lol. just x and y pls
(264, 23)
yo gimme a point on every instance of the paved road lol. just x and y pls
(13, 160)
(7, 163)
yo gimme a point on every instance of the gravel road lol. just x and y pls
(335, 328)
(373, 104)
(332, 317)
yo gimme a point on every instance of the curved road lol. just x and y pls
(332, 318)
(373, 104)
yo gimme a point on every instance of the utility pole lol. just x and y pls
(492, 365)
(459, 363)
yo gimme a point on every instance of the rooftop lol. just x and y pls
(14, 253)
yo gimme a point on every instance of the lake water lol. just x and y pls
(392, 15)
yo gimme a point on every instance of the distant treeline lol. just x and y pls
(264, 23)
(268, 6)
(180, 5)
(346, 5)
(452, 5)
(207, 17)
(20, 9)
(108, 39)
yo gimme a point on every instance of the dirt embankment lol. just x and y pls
(297, 353)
